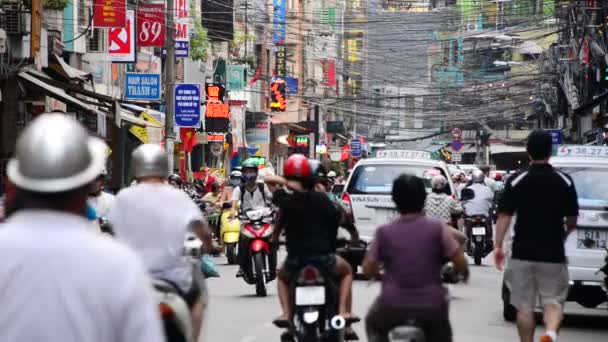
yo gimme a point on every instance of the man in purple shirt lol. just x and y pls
(411, 251)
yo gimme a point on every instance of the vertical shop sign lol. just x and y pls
(151, 25)
(279, 22)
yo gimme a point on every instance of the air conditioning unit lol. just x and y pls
(472, 27)
(13, 21)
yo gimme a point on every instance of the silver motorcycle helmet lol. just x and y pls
(55, 153)
(477, 176)
(150, 160)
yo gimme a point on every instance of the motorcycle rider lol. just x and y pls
(154, 218)
(411, 250)
(100, 200)
(74, 296)
(251, 195)
(482, 203)
(175, 181)
(439, 205)
(488, 181)
(310, 239)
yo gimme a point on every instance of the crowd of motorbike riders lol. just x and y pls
(63, 174)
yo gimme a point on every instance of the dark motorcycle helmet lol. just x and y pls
(319, 172)
(249, 165)
(175, 180)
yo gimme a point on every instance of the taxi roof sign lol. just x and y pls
(581, 151)
(405, 154)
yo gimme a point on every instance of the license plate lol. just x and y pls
(592, 238)
(310, 295)
(391, 215)
(479, 230)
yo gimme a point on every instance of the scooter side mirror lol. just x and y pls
(467, 194)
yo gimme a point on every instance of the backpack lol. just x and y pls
(260, 187)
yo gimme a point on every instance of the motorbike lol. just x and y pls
(478, 246)
(174, 310)
(604, 269)
(478, 231)
(257, 227)
(316, 317)
(230, 231)
(105, 226)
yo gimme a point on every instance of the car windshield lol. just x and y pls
(378, 179)
(589, 182)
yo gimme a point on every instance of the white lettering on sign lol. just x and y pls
(372, 199)
(582, 151)
(406, 154)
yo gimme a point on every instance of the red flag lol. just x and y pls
(188, 137)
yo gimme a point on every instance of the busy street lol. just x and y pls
(235, 314)
(304, 170)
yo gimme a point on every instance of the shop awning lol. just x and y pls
(68, 71)
(124, 115)
(58, 93)
(61, 95)
(160, 116)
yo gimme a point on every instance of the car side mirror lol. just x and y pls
(467, 194)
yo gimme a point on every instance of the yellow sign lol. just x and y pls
(142, 132)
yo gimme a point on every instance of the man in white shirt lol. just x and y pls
(100, 200)
(154, 218)
(74, 296)
(250, 195)
(483, 201)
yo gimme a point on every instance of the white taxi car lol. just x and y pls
(367, 192)
(585, 247)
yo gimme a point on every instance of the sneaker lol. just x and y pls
(546, 338)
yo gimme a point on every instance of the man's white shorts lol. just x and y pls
(532, 280)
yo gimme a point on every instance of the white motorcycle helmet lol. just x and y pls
(150, 160)
(55, 153)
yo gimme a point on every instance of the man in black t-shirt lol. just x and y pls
(543, 200)
(310, 221)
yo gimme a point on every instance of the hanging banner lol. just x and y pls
(279, 22)
(236, 77)
(110, 13)
(122, 41)
(328, 65)
(151, 24)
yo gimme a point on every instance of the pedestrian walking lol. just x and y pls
(60, 279)
(541, 197)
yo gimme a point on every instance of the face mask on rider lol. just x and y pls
(250, 177)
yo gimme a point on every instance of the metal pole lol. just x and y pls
(314, 153)
(170, 84)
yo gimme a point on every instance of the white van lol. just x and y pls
(368, 189)
(585, 247)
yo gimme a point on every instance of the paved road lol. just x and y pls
(236, 315)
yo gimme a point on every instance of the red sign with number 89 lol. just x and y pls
(151, 25)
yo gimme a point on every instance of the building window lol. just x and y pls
(97, 42)
(83, 13)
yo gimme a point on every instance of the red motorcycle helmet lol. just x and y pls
(297, 167)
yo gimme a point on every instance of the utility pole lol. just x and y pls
(316, 131)
(170, 84)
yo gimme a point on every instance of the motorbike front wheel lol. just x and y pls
(260, 277)
(477, 255)
(231, 253)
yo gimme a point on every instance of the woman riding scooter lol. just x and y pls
(230, 230)
(412, 251)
